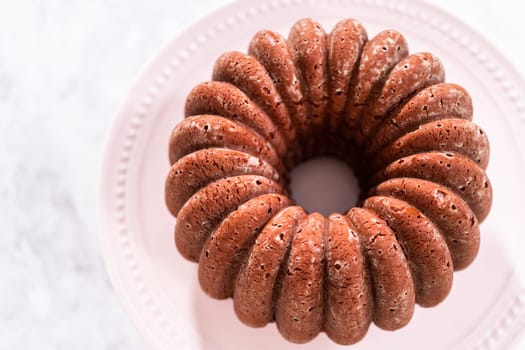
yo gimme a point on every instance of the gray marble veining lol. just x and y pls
(64, 68)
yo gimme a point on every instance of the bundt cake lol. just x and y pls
(408, 136)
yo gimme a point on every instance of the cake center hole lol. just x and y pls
(325, 185)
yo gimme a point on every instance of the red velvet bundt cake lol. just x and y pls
(406, 133)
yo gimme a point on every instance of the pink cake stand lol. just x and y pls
(159, 289)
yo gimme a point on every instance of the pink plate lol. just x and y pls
(159, 289)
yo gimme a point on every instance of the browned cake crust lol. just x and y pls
(205, 209)
(250, 76)
(379, 56)
(272, 51)
(226, 248)
(450, 214)
(393, 287)
(226, 100)
(425, 249)
(205, 131)
(452, 170)
(348, 302)
(199, 168)
(299, 306)
(455, 135)
(345, 44)
(257, 282)
(408, 136)
(307, 41)
(435, 102)
(408, 76)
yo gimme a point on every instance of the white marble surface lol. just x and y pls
(64, 68)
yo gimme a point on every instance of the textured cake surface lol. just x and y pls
(390, 115)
